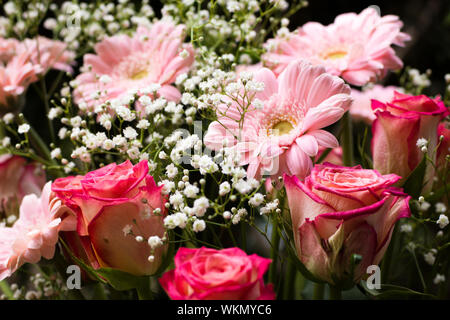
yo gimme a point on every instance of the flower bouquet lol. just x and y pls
(216, 150)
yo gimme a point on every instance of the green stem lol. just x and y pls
(47, 109)
(347, 140)
(319, 289)
(335, 293)
(274, 250)
(4, 286)
(144, 291)
(289, 280)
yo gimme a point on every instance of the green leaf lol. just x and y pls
(121, 280)
(414, 183)
(389, 291)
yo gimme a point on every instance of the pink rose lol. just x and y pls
(208, 274)
(17, 179)
(114, 204)
(339, 211)
(398, 126)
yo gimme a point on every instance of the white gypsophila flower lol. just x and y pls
(406, 228)
(256, 200)
(429, 258)
(8, 118)
(201, 205)
(6, 142)
(440, 207)
(143, 124)
(176, 200)
(24, 128)
(421, 142)
(199, 225)
(168, 186)
(191, 191)
(440, 278)
(133, 153)
(55, 153)
(171, 171)
(154, 242)
(130, 133)
(442, 221)
(224, 188)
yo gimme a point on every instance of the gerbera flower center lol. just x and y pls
(335, 54)
(135, 67)
(139, 75)
(282, 127)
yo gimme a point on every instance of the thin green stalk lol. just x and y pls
(289, 280)
(47, 109)
(335, 293)
(4, 286)
(347, 140)
(319, 289)
(274, 250)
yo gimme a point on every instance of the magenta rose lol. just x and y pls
(396, 129)
(114, 204)
(209, 274)
(340, 211)
(17, 179)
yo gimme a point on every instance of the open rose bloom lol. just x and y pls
(399, 123)
(341, 211)
(209, 274)
(152, 56)
(283, 135)
(356, 47)
(114, 204)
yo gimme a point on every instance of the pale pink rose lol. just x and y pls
(356, 47)
(444, 146)
(398, 126)
(35, 233)
(17, 179)
(109, 201)
(361, 108)
(15, 77)
(209, 274)
(7, 49)
(123, 64)
(47, 54)
(340, 211)
(283, 135)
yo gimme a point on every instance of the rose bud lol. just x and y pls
(396, 129)
(338, 212)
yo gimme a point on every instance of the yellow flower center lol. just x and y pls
(334, 55)
(139, 75)
(282, 127)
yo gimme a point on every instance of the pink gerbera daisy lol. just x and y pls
(15, 78)
(361, 108)
(356, 47)
(35, 233)
(283, 135)
(47, 53)
(123, 64)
